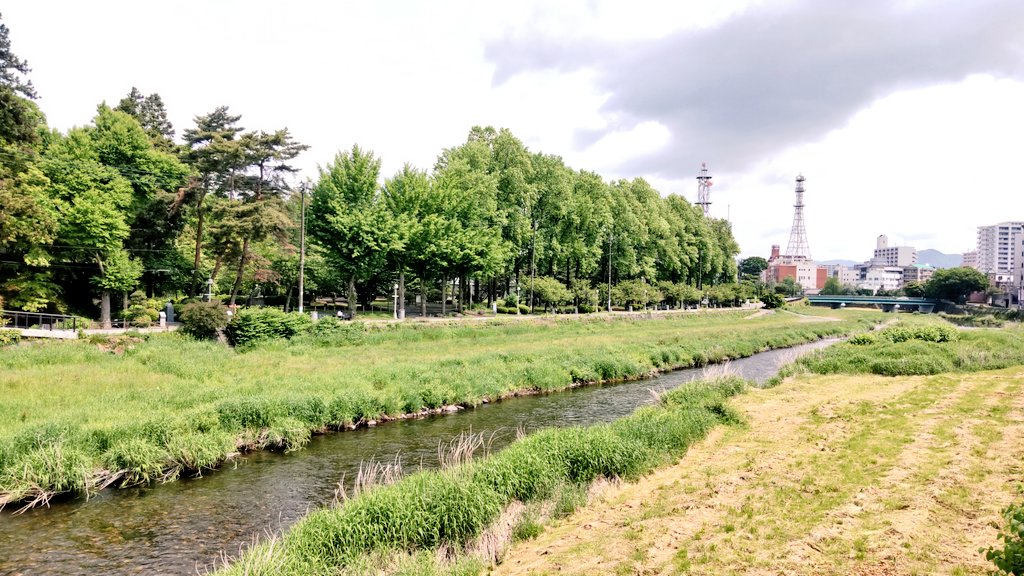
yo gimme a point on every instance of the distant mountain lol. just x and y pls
(840, 262)
(938, 259)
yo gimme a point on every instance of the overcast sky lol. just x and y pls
(906, 118)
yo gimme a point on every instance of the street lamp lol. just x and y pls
(209, 289)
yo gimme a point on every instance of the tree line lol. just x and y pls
(120, 205)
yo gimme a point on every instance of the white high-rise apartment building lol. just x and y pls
(1018, 252)
(996, 246)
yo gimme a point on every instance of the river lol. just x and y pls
(185, 527)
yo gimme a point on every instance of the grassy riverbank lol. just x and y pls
(75, 416)
(452, 507)
(838, 471)
(835, 471)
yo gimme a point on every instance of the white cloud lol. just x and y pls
(406, 79)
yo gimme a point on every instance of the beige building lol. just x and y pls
(970, 259)
(886, 255)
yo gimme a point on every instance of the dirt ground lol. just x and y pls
(857, 475)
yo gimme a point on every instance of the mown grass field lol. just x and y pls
(838, 471)
(75, 416)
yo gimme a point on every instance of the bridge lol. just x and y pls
(888, 303)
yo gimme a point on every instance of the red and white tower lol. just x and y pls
(798, 248)
(704, 189)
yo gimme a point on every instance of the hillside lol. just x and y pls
(939, 259)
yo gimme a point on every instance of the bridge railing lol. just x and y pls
(38, 320)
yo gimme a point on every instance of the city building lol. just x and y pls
(901, 256)
(917, 273)
(882, 278)
(806, 273)
(971, 260)
(1019, 279)
(996, 247)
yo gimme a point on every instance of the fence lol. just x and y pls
(38, 320)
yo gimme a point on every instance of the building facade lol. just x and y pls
(1019, 277)
(996, 245)
(901, 256)
(971, 260)
(806, 273)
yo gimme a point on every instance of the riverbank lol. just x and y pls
(78, 416)
(831, 473)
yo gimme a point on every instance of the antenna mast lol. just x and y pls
(798, 248)
(704, 189)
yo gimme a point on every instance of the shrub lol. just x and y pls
(9, 336)
(204, 320)
(1009, 559)
(253, 325)
(772, 300)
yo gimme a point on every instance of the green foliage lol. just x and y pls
(204, 320)
(753, 266)
(863, 339)
(550, 291)
(197, 401)
(252, 325)
(9, 337)
(902, 332)
(1008, 558)
(428, 509)
(636, 292)
(955, 284)
(920, 348)
(832, 287)
(772, 300)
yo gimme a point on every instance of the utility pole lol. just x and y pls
(610, 236)
(302, 244)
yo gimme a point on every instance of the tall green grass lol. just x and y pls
(427, 510)
(74, 417)
(916, 346)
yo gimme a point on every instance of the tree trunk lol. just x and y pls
(491, 286)
(200, 218)
(401, 295)
(241, 271)
(423, 294)
(352, 297)
(462, 290)
(105, 309)
(444, 295)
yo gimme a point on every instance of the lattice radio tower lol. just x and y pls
(798, 248)
(704, 189)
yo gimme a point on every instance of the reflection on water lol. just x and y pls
(184, 526)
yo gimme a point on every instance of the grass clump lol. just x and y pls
(450, 507)
(918, 347)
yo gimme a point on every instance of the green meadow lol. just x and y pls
(79, 416)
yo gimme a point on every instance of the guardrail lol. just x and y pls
(38, 320)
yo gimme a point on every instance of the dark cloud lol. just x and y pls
(779, 75)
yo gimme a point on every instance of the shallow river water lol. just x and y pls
(184, 527)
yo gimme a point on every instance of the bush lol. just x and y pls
(9, 337)
(772, 301)
(253, 325)
(204, 320)
(1010, 558)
